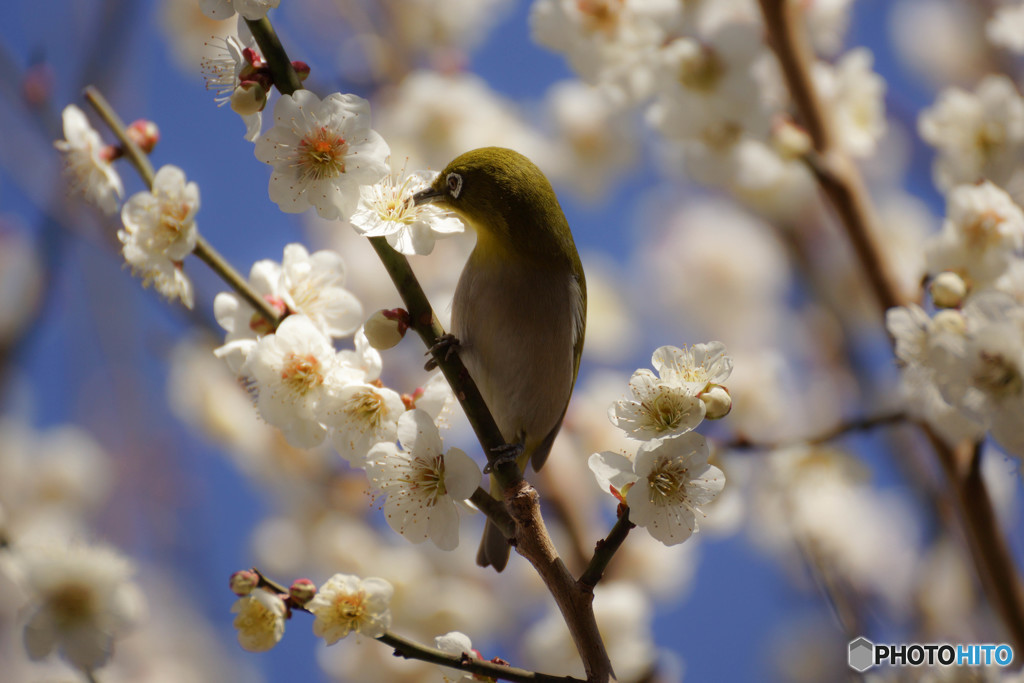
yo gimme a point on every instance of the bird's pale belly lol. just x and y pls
(516, 333)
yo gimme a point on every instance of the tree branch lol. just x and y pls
(862, 424)
(203, 250)
(281, 70)
(605, 550)
(841, 182)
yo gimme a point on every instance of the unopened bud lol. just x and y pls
(951, 321)
(259, 324)
(145, 134)
(244, 582)
(248, 98)
(302, 591)
(948, 290)
(301, 70)
(717, 401)
(385, 328)
(790, 140)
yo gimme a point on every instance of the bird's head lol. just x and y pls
(506, 199)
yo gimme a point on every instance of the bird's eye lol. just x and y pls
(454, 181)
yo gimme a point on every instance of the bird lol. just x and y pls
(519, 310)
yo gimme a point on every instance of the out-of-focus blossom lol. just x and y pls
(665, 485)
(917, 26)
(260, 620)
(827, 21)
(1006, 27)
(87, 162)
(225, 9)
(21, 272)
(977, 134)
(856, 95)
(190, 33)
(386, 210)
(982, 236)
(321, 152)
(80, 599)
(347, 604)
(710, 81)
(422, 482)
(980, 369)
(595, 137)
(816, 501)
(430, 131)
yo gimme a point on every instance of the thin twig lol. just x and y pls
(471, 665)
(203, 250)
(862, 424)
(605, 550)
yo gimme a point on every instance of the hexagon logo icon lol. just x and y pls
(862, 654)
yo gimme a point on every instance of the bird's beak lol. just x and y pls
(427, 196)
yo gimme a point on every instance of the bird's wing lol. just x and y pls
(578, 303)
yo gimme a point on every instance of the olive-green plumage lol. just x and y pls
(520, 306)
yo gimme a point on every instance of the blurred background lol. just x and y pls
(118, 425)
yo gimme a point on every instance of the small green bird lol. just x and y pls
(520, 307)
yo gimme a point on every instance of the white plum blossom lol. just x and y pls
(669, 404)
(224, 71)
(710, 82)
(321, 152)
(422, 482)
(665, 485)
(386, 210)
(361, 415)
(291, 371)
(977, 135)
(980, 368)
(309, 284)
(346, 604)
(982, 236)
(81, 598)
(160, 230)
(856, 95)
(914, 333)
(260, 620)
(87, 162)
(1006, 27)
(225, 9)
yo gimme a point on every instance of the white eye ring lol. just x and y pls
(454, 181)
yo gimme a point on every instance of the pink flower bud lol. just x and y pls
(244, 582)
(301, 69)
(145, 134)
(302, 591)
(384, 329)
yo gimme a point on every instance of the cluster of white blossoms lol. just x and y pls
(711, 86)
(160, 230)
(963, 363)
(344, 604)
(311, 392)
(668, 480)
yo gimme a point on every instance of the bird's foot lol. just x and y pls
(505, 454)
(447, 345)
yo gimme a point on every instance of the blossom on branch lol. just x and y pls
(321, 152)
(423, 484)
(386, 210)
(347, 604)
(225, 9)
(260, 620)
(87, 162)
(665, 485)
